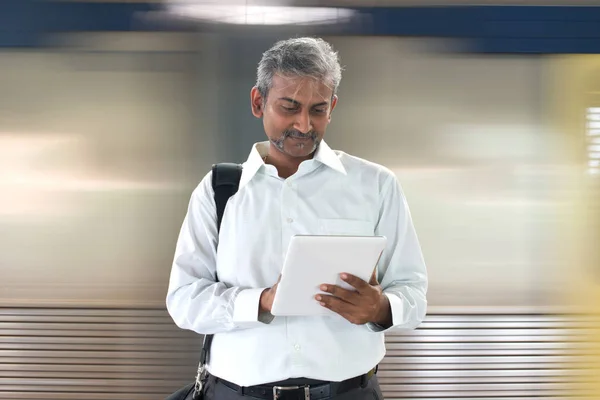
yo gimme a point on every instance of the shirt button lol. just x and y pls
(290, 220)
(297, 347)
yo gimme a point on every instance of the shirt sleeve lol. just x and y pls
(401, 271)
(195, 299)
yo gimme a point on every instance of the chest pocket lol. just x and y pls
(346, 227)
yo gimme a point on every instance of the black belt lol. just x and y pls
(301, 392)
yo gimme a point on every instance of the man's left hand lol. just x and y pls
(366, 304)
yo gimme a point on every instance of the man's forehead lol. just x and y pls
(301, 89)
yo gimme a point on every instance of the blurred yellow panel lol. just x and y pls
(574, 110)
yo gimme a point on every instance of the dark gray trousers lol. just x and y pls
(216, 390)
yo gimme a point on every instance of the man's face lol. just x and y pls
(295, 114)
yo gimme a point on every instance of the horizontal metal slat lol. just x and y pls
(465, 396)
(78, 319)
(483, 360)
(480, 395)
(97, 361)
(119, 312)
(35, 326)
(83, 390)
(554, 346)
(557, 388)
(171, 374)
(133, 355)
(388, 363)
(191, 341)
(484, 353)
(517, 332)
(468, 380)
(66, 332)
(115, 347)
(486, 338)
(384, 373)
(111, 385)
(182, 368)
(454, 318)
(430, 325)
(42, 395)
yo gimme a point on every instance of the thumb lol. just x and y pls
(373, 281)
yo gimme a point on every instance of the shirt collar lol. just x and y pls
(254, 162)
(328, 157)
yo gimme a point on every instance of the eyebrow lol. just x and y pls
(296, 103)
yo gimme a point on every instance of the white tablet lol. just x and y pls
(314, 260)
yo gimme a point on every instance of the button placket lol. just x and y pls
(288, 205)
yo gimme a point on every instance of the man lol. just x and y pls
(294, 183)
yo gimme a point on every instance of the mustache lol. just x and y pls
(297, 134)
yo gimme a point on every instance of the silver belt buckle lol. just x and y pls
(278, 388)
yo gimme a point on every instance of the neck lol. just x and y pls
(286, 165)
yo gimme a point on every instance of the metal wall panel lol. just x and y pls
(119, 354)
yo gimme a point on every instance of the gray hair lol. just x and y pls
(306, 57)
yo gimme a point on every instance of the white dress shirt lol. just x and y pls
(333, 193)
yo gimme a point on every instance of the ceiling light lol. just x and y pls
(260, 14)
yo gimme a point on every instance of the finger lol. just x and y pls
(274, 287)
(346, 310)
(333, 303)
(355, 282)
(349, 296)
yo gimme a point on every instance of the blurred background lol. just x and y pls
(488, 112)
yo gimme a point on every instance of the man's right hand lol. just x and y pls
(267, 296)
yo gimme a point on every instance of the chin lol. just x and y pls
(304, 150)
(296, 148)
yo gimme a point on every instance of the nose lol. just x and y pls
(303, 122)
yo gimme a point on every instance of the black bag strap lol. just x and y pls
(225, 182)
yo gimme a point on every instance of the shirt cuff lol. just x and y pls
(396, 309)
(246, 309)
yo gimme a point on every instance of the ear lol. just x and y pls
(256, 102)
(334, 100)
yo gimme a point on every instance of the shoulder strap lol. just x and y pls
(225, 182)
